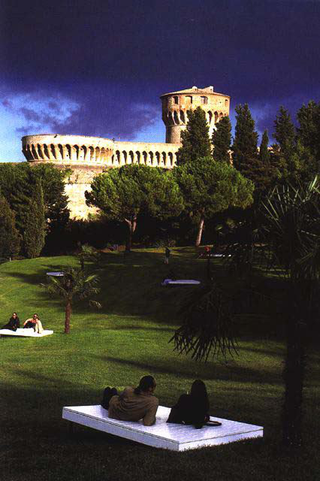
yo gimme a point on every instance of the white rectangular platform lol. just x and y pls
(175, 437)
(29, 332)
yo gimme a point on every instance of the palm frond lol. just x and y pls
(207, 326)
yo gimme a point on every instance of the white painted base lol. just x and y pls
(29, 332)
(175, 437)
(180, 282)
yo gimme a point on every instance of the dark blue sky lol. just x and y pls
(98, 67)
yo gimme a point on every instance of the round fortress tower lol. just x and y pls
(175, 106)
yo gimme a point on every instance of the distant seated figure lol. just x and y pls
(137, 403)
(13, 324)
(192, 408)
(35, 323)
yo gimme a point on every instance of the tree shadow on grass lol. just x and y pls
(125, 289)
(234, 373)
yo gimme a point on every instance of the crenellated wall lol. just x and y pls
(88, 156)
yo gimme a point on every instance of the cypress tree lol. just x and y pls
(284, 133)
(9, 236)
(309, 136)
(221, 139)
(264, 153)
(195, 139)
(245, 154)
(35, 225)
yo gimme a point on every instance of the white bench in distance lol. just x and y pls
(175, 437)
(29, 332)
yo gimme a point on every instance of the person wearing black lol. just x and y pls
(14, 323)
(167, 255)
(192, 408)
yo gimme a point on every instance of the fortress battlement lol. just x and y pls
(88, 156)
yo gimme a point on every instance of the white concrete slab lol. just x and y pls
(29, 332)
(180, 282)
(175, 437)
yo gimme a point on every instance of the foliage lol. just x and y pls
(308, 133)
(291, 238)
(293, 235)
(87, 253)
(18, 181)
(221, 140)
(244, 147)
(55, 199)
(195, 139)
(9, 236)
(264, 153)
(284, 133)
(295, 151)
(209, 187)
(74, 285)
(126, 193)
(207, 325)
(309, 127)
(35, 226)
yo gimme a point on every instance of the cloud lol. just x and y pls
(101, 111)
(6, 103)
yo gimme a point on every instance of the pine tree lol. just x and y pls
(245, 142)
(9, 236)
(35, 226)
(221, 140)
(127, 193)
(195, 139)
(210, 187)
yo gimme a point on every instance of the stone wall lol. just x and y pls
(89, 156)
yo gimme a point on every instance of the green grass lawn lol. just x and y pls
(126, 339)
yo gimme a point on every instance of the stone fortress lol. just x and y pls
(87, 156)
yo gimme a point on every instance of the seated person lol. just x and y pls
(14, 323)
(35, 323)
(137, 403)
(192, 408)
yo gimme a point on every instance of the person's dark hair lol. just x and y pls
(199, 393)
(14, 313)
(146, 382)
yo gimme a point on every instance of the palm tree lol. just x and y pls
(290, 233)
(74, 285)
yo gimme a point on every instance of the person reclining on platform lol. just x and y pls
(13, 324)
(35, 323)
(193, 408)
(134, 404)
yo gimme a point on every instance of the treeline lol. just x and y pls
(216, 179)
(217, 183)
(33, 208)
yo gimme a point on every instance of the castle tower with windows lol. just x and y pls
(175, 107)
(86, 157)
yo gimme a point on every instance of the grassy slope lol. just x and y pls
(115, 346)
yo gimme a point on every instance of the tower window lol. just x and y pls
(226, 103)
(176, 99)
(204, 100)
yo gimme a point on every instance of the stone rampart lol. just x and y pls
(87, 157)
